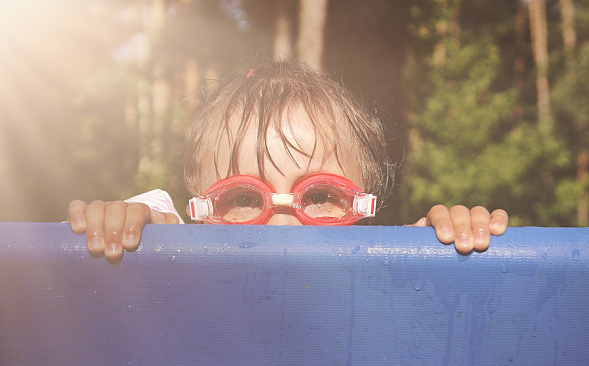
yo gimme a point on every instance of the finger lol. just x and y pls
(114, 220)
(138, 214)
(171, 218)
(76, 216)
(439, 217)
(420, 223)
(95, 227)
(480, 218)
(463, 238)
(158, 217)
(499, 222)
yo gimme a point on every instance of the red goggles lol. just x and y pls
(316, 199)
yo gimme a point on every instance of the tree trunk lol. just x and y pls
(283, 32)
(447, 30)
(583, 181)
(440, 53)
(312, 17)
(518, 62)
(569, 40)
(569, 36)
(538, 31)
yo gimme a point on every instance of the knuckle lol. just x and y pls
(459, 207)
(501, 212)
(116, 204)
(96, 203)
(76, 203)
(479, 208)
(438, 207)
(137, 206)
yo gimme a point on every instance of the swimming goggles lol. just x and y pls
(316, 199)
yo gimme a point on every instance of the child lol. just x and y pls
(279, 128)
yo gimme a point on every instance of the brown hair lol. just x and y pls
(259, 98)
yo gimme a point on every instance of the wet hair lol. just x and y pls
(260, 98)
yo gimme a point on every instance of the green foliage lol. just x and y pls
(469, 148)
(475, 139)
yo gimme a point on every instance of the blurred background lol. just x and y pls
(484, 102)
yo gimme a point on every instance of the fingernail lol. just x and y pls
(130, 240)
(446, 232)
(480, 236)
(496, 225)
(77, 224)
(112, 248)
(95, 243)
(463, 241)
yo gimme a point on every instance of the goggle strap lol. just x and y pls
(365, 205)
(200, 208)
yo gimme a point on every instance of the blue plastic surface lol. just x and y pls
(262, 295)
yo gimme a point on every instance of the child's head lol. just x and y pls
(281, 121)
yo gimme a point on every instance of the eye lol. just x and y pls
(320, 198)
(239, 204)
(244, 200)
(325, 201)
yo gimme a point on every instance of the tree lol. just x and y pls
(466, 146)
(539, 33)
(312, 17)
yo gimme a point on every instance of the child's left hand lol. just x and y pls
(468, 229)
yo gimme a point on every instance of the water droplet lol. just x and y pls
(50, 287)
(173, 259)
(285, 252)
(544, 255)
(386, 261)
(504, 267)
(129, 308)
(158, 249)
(247, 244)
(356, 249)
(439, 309)
(167, 290)
(417, 285)
(576, 254)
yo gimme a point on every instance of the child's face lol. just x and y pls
(301, 135)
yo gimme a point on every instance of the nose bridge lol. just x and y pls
(283, 215)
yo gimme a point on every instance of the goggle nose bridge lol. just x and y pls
(282, 199)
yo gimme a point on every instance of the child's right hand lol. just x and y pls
(112, 227)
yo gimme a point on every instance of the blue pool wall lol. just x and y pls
(262, 295)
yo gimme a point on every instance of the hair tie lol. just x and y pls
(250, 73)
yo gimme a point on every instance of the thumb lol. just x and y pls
(158, 217)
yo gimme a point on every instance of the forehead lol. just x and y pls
(283, 149)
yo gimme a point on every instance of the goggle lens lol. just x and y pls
(325, 201)
(239, 204)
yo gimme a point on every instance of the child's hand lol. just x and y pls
(467, 229)
(113, 226)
